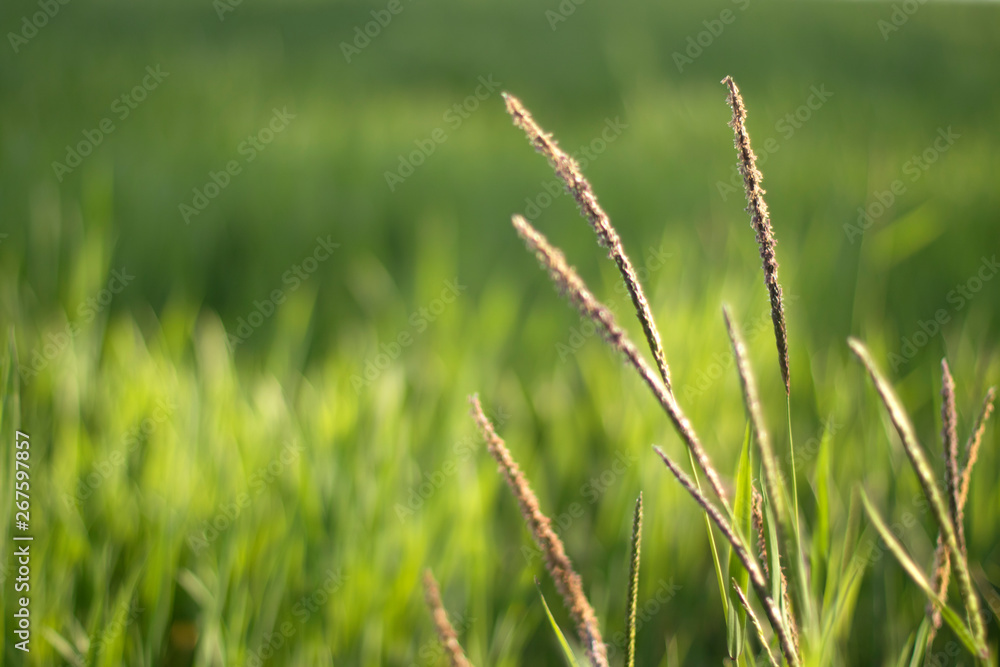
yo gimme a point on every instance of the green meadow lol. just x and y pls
(255, 256)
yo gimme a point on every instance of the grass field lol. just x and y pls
(246, 310)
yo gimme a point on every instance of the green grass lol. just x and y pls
(149, 393)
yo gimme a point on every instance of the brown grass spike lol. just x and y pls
(570, 284)
(566, 579)
(446, 633)
(577, 185)
(761, 221)
(942, 563)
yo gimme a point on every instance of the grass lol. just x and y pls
(329, 548)
(806, 646)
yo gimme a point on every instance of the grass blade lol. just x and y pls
(739, 578)
(563, 644)
(949, 615)
(926, 477)
(774, 615)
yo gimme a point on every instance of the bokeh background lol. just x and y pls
(199, 499)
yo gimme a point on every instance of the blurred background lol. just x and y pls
(255, 256)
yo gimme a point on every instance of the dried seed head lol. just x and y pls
(579, 187)
(446, 633)
(761, 221)
(570, 284)
(567, 580)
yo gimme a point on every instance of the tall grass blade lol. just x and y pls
(739, 578)
(962, 631)
(560, 637)
(920, 642)
(748, 611)
(925, 475)
(774, 615)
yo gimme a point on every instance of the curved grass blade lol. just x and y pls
(563, 644)
(748, 610)
(739, 578)
(949, 615)
(925, 475)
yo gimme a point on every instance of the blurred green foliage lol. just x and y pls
(147, 427)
